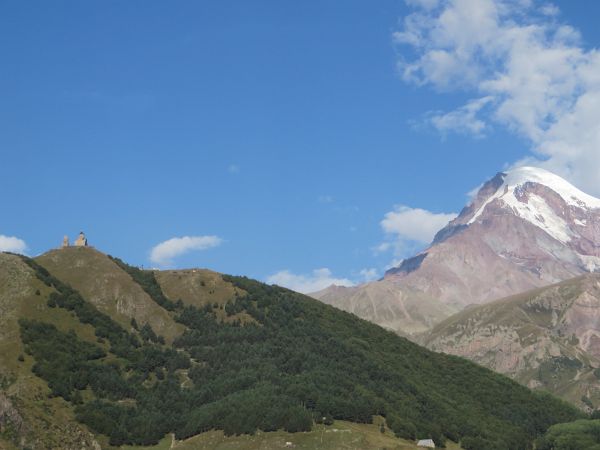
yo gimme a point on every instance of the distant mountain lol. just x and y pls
(546, 338)
(525, 228)
(407, 312)
(95, 353)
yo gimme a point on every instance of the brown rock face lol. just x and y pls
(526, 228)
(547, 338)
(489, 260)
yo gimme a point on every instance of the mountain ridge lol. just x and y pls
(525, 228)
(546, 338)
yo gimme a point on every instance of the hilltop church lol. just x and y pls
(81, 241)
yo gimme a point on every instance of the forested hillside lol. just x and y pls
(264, 359)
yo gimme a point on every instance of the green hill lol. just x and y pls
(228, 354)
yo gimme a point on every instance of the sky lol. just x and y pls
(299, 143)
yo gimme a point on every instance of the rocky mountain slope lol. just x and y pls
(526, 228)
(547, 338)
(406, 311)
(87, 370)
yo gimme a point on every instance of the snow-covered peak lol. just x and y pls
(571, 195)
(535, 208)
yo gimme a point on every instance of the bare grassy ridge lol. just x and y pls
(196, 287)
(108, 287)
(202, 287)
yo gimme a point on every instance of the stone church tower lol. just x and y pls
(81, 240)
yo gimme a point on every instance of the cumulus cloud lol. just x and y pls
(521, 68)
(313, 282)
(549, 10)
(408, 229)
(414, 224)
(164, 253)
(382, 247)
(427, 4)
(12, 244)
(462, 120)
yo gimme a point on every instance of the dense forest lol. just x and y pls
(581, 434)
(292, 361)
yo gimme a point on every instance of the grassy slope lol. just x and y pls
(200, 287)
(196, 287)
(46, 420)
(109, 288)
(6, 445)
(340, 435)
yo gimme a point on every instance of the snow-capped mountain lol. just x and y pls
(525, 228)
(546, 201)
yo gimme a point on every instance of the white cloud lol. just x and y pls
(382, 247)
(325, 199)
(463, 119)
(414, 224)
(473, 192)
(408, 229)
(233, 168)
(12, 244)
(369, 274)
(317, 280)
(164, 253)
(427, 4)
(536, 77)
(549, 10)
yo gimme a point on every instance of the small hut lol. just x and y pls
(427, 443)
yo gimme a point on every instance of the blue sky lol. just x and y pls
(285, 130)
